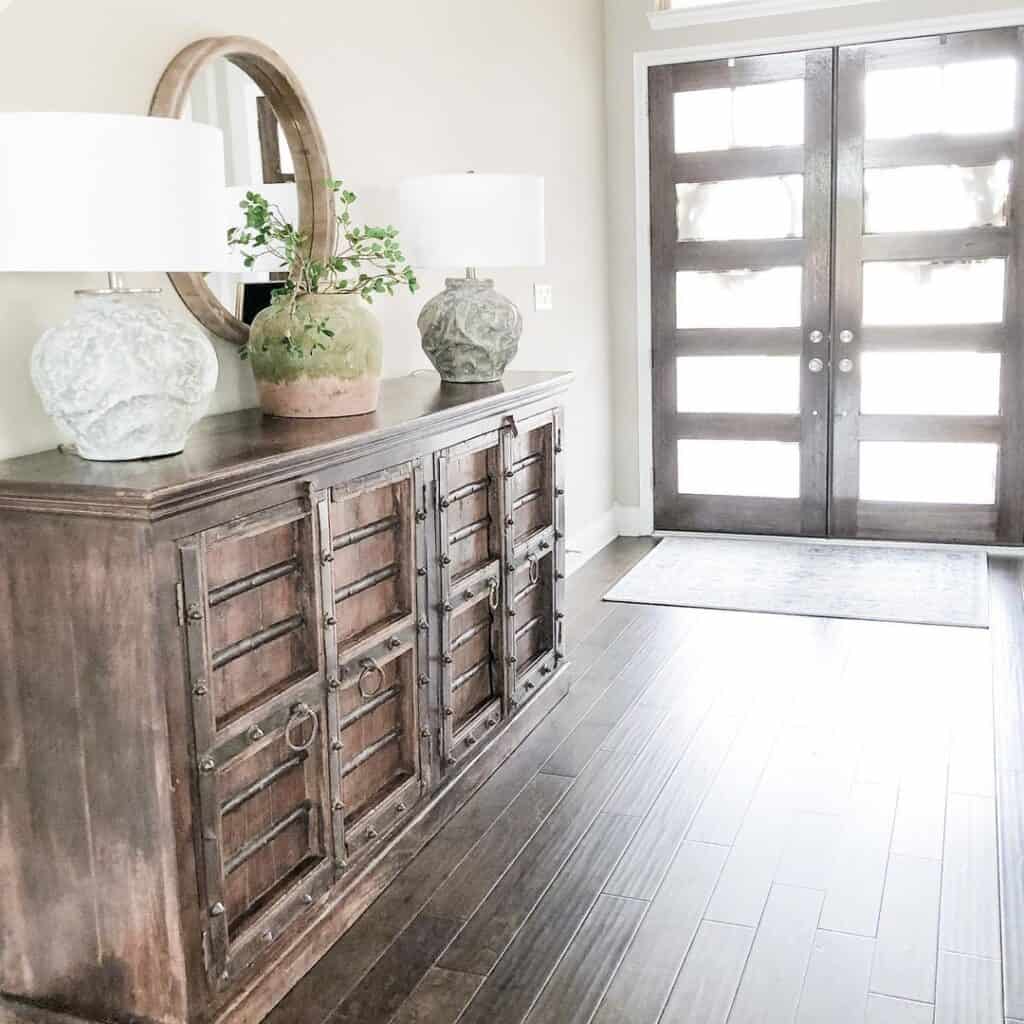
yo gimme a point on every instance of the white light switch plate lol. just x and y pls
(543, 298)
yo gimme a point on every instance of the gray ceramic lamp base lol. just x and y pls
(470, 332)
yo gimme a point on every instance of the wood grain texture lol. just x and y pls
(969, 990)
(644, 979)
(523, 967)
(247, 451)
(855, 887)
(706, 987)
(774, 976)
(397, 972)
(88, 847)
(1008, 687)
(969, 922)
(492, 927)
(439, 998)
(908, 930)
(575, 988)
(163, 657)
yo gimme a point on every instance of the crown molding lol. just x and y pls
(708, 12)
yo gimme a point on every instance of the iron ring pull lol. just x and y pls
(534, 569)
(370, 667)
(495, 598)
(300, 714)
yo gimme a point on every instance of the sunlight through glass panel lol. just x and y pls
(739, 298)
(936, 198)
(737, 384)
(917, 292)
(765, 469)
(771, 114)
(968, 98)
(934, 473)
(741, 209)
(930, 383)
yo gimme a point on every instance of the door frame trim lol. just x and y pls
(643, 61)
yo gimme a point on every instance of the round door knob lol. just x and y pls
(846, 337)
(817, 337)
(846, 366)
(815, 366)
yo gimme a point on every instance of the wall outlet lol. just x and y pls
(543, 298)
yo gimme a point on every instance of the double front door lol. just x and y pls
(836, 255)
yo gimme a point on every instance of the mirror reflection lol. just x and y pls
(256, 158)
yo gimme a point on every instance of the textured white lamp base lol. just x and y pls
(122, 378)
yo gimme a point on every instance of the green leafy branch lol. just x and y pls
(367, 261)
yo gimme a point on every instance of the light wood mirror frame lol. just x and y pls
(300, 128)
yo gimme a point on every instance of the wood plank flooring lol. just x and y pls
(730, 818)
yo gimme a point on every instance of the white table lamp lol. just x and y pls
(470, 332)
(118, 194)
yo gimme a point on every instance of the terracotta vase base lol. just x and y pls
(320, 397)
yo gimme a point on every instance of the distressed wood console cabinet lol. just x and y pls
(242, 687)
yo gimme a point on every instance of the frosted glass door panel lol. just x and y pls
(747, 208)
(930, 383)
(738, 384)
(913, 293)
(936, 198)
(755, 469)
(934, 473)
(739, 298)
(751, 115)
(968, 98)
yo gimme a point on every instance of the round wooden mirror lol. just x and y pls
(272, 145)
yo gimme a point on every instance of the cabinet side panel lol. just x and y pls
(87, 863)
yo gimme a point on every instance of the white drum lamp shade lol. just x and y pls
(473, 220)
(119, 194)
(110, 192)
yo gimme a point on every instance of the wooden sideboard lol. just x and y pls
(240, 688)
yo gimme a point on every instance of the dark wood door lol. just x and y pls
(846, 364)
(927, 427)
(741, 158)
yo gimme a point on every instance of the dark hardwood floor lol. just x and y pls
(731, 817)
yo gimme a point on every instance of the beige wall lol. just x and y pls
(627, 32)
(400, 87)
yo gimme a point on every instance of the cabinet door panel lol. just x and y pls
(377, 656)
(532, 456)
(472, 502)
(372, 527)
(254, 591)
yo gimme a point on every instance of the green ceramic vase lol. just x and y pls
(340, 379)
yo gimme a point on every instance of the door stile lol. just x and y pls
(663, 319)
(1010, 488)
(815, 400)
(332, 672)
(848, 290)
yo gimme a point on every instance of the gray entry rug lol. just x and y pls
(839, 581)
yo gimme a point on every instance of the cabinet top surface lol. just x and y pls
(247, 443)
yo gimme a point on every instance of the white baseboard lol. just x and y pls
(583, 544)
(618, 521)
